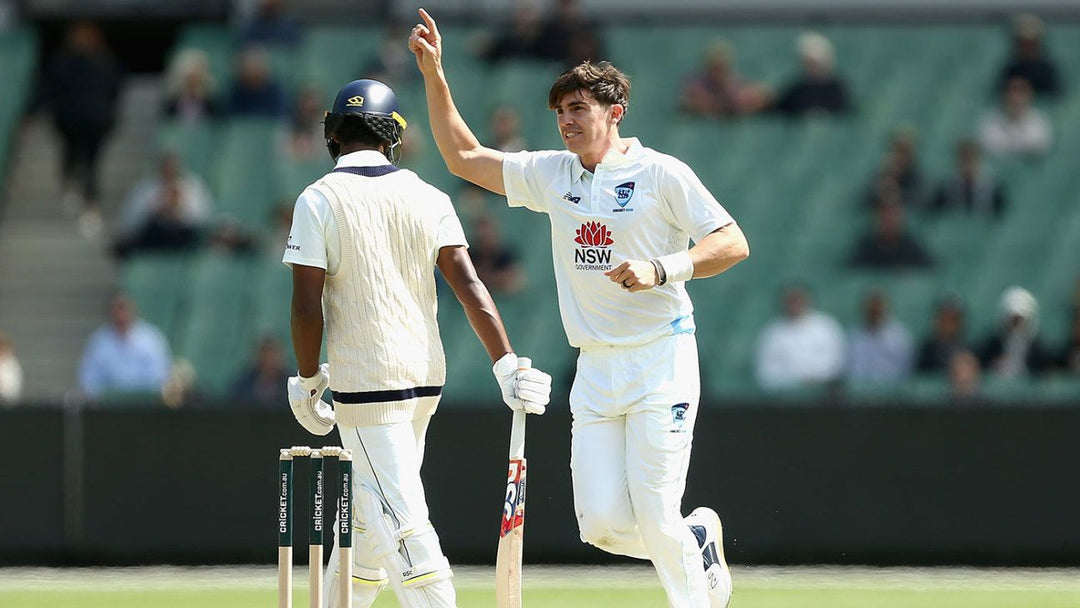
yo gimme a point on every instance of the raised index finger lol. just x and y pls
(429, 22)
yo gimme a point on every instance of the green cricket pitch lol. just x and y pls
(560, 587)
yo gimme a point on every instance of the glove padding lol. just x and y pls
(305, 399)
(523, 386)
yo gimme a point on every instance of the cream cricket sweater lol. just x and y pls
(386, 357)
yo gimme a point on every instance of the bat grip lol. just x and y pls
(517, 430)
(517, 435)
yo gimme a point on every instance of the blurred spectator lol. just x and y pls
(11, 375)
(803, 348)
(717, 91)
(181, 388)
(190, 88)
(1069, 358)
(472, 201)
(255, 91)
(965, 378)
(1014, 348)
(126, 354)
(392, 63)
(971, 188)
(890, 246)
(568, 37)
(271, 25)
(1015, 128)
(946, 337)
(166, 211)
(817, 89)
(881, 350)
(264, 380)
(521, 40)
(506, 130)
(81, 87)
(231, 238)
(496, 264)
(1029, 59)
(302, 139)
(899, 173)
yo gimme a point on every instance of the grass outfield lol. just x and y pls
(562, 587)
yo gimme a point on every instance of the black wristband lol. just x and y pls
(661, 274)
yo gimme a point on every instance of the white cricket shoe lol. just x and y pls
(705, 524)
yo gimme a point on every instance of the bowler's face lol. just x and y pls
(584, 123)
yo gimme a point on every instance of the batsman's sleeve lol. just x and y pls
(450, 232)
(693, 208)
(525, 176)
(307, 244)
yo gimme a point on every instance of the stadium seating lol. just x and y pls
(795, 187)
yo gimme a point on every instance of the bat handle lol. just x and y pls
(517, 435)
(517, 430)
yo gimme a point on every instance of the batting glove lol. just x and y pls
(523, 386)
(305, 399)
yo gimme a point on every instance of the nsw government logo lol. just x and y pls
(593, 254)
(623, 193)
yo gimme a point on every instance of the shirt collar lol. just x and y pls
(362, 158)
(613, 158)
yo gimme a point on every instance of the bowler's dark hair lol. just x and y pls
(603, 81)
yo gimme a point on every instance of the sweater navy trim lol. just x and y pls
(381, 396)
(377, 171)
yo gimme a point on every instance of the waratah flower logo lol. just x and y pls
(593, 234)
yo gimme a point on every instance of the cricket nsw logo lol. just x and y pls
(593, 254)
(678, 417)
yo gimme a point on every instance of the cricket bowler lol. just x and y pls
(622, 216)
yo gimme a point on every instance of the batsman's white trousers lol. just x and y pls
(634, 410)
(387, 459)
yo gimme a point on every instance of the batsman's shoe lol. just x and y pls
(705, 524)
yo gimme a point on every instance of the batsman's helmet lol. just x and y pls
(373, 103)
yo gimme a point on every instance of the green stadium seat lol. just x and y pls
(1059, 389)
(217, 333)
(247, 169)
(195, 144)
(159, 285)
(1008, 390)
(926, 389)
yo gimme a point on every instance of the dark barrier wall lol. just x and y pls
(837, 485)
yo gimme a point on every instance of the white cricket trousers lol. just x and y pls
(387, 460)
(633, 422)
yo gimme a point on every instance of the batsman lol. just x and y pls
(365, 241)
(622, 216)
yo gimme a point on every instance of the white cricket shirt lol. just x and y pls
(314, 239)
(638, 205)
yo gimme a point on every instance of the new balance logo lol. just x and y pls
(569, 196)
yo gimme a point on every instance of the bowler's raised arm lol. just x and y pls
(465, 157)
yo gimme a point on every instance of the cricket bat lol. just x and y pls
(512, 530)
